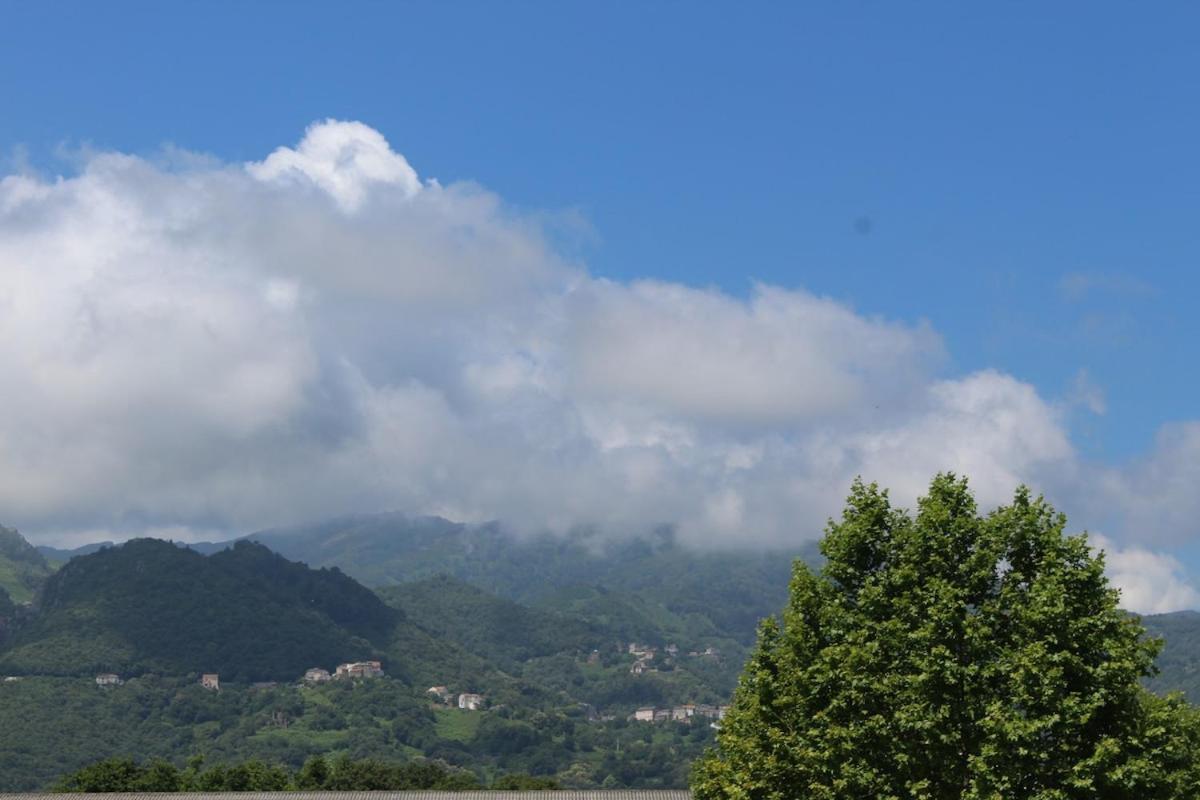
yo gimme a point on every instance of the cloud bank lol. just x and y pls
(207, 348)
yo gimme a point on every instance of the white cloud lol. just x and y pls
(1150, 582)
(343, 158)
(1155, 498)
(221, 347)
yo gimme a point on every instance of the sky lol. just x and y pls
(614, 265)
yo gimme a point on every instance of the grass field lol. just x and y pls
(456, 724)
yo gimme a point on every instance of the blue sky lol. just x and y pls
(1023, 178)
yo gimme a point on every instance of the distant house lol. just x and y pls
(359, 669)
(211, 681)
(683, 712)
(644, 714)
(662, 715)
(441, 693)
(470, 702)
(108, 679)
(317, 675)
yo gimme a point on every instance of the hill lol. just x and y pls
(22, 567)
(1179, 662)
(481, 623)
(150, 605)
(703, 593)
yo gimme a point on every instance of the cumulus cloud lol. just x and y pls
(344, 159)
(1149, 582)
(217, 347)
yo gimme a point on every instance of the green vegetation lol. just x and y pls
(655, 575)
(65, 724)
(952, 656)
(318, 773)
(153, 606)
(22, 567)
(550, 656)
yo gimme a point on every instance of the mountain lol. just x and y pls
(56, 556)
(481, 623)
(1179, 662)
(702, 593)
(22, 567)
(150, 605)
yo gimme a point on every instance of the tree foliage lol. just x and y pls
(951, 655)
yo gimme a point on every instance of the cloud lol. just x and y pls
(1149, 582)
(342, 158)
(1154, 498)
(192, 345)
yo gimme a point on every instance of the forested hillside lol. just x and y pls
(474, 614)
(151, 606)
(22, 567)
(713, 593)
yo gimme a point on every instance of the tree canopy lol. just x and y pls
(948, 654)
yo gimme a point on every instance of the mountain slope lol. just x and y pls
(483, 623)
(22, 567)
(714, 593)
(153, 606)
(1179, 662)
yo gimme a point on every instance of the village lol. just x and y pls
(643, 657)
(467, 701)
(688, 712)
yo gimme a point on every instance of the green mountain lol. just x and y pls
(150, 605)
(720, 594)
(507, 632)
(1179, 662)
(22, 567)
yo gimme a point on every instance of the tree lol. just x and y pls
(949, 655)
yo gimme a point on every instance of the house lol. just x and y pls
(359, 669)
(211, 681)
(470, 702)
(108, 679)
(683, 712)
(662, 715)
(317, 675)
(442, 693)
(672, 650)
(645, 714)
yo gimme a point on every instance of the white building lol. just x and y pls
(470, 702)
(211, 681)
(644, 714)
(359, 669)
(108, 679)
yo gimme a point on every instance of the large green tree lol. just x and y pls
(951, 655)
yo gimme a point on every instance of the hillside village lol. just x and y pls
(687, 712)
(444, 697)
